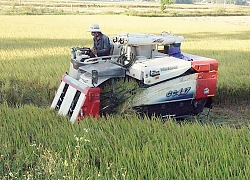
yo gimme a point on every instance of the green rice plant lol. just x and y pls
(118, 147)
(37, 143)
(38, 52)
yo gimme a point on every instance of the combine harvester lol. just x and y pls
(166, 82)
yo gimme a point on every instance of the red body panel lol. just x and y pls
(205, 65)
(206, 85)
(91, 104)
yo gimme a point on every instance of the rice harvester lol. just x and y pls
(166, 81)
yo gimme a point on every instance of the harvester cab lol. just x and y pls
(148, 69)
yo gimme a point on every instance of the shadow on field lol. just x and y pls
(30, 43)
(233, 96)
(19, 92)
(16, 93)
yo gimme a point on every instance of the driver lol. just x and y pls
(101, 42)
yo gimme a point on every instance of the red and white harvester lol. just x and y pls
(165, 81)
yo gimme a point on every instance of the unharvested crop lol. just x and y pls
(36, 143)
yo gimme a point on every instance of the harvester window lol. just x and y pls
(144, 50)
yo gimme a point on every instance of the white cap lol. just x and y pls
(94, 28)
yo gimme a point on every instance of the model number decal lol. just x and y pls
(168, 68)
(160, 40)
(182, 91)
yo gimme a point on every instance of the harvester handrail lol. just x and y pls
(96, 59)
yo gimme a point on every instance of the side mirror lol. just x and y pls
(94, 76)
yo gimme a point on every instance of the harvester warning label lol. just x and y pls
(206, 91)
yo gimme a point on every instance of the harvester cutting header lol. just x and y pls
(149, 71)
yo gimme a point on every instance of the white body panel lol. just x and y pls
(87, 80)
(69, 96)
(166, 67)
(57, 96)
(64, 103)
(73, 72)
(77, 108)
(146, 39)
(182, 88)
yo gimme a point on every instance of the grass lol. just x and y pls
(36, 143)
(41, 146)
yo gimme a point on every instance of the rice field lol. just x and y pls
(36, 143)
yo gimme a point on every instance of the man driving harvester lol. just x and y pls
(101, 42)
